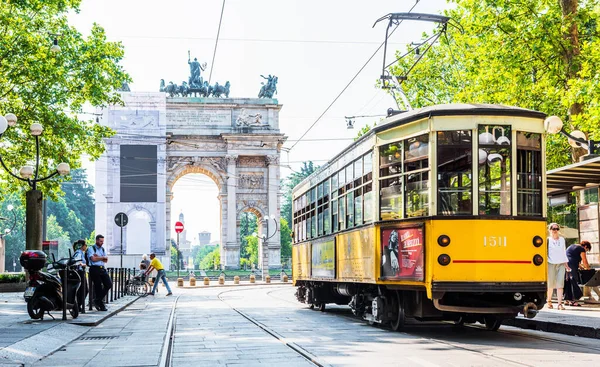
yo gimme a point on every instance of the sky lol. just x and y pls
(314, 47)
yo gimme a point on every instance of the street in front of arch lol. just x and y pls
(264, 325)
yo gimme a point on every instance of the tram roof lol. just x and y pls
(573, 177)
(456, 109)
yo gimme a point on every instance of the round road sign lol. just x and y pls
(178, 227)
(121, 219)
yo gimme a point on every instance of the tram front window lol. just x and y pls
(494, 157)
(454, 157)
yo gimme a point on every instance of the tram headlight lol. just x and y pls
(443, 240)
(538, 260)
(444, 259)
(538, 241)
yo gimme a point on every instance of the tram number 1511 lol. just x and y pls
(493, 241)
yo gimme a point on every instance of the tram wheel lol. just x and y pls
(311, 306)
(397, 323)
(322, 307)
(492, 323)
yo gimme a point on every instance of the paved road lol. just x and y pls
(265, 326)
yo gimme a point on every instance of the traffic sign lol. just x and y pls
(121, 219)
(178, 227)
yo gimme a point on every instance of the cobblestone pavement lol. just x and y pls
(265, 326)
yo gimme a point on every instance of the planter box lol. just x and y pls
(12, 287)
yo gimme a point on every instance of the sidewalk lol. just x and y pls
(580, 321)
(24, 341)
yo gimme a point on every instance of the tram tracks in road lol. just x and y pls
(167, 349)
(512, 333)
(291, 345)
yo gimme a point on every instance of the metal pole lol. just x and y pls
(121, 240)
(64, 294)
(112, 280)
(178, 255)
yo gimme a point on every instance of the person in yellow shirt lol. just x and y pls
(160, 269)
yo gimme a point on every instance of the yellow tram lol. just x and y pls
(434, 214)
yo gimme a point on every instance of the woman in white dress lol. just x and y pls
(557, 265)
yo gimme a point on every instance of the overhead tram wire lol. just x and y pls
(216, 43)
(351, 80)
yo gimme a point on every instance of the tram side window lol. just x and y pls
(368, 203)
(529, 174)
(350, 211)
(454, 160)
(494, 170)
(416, 176)
(342, 216)
(390, 171)
(334, 215)
(358, 211)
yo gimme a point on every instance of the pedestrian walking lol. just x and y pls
(156, 264)
(557, 265)
(98, 274)
(576, 254)
(80, 256)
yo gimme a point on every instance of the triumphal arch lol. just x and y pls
(161, 137)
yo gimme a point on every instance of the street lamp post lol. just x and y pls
(577, 139)
(265, 238)
(29, 174)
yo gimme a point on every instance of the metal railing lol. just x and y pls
(119, 278)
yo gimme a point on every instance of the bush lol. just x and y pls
(12, 278)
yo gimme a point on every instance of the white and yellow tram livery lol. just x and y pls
(435, 214)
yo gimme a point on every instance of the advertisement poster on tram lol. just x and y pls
(402, 253)
(323, 259)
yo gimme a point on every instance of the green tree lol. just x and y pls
(536, 54)
(38, 85)
(203, 251)
(212, 260)
(286, 241)
(15, 240)
(288, 184)
(56, 233)
(252, 249)
(248, 225)
(79, 197)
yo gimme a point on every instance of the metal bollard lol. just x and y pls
(111, 274)
(252, 278)
(91, 290)
(221, 280)
(284, 278)
(206, 281)
(236, 280)
(268, 279)
(180, 282)
(192, 282)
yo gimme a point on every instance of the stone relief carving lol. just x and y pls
(248, 161)
(246, 119)
(231, 158)
(173, 162)
(217, 162)
(272, 159)
(251, 181)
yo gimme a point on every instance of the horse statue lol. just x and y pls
(269, 89)
(162, 85)
(220, 89)
(172, 90)
(184, 89)
(205, 90)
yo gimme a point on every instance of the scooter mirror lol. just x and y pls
(70, 255)
(53, 258)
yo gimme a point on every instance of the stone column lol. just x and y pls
(231, 244)
(273, 252)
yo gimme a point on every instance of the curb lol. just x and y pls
(233, 285)
(106, 316)
(553, 327)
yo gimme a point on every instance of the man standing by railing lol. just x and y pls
(98, 273)
(156, 264)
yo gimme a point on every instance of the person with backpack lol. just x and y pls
(80, 256)
(102, 283)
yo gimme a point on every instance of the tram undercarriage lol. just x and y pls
(392, 305)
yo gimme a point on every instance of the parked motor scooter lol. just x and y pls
(44, 291)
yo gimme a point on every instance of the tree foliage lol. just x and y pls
(202, 252)
(286, 241)
(50, 88)
(537, 54)
(212, 260)
(248, 225)
(288, 184)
